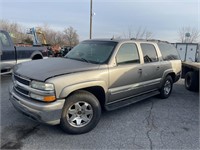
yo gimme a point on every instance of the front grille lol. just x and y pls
(21, 91)
(19, 85)
(22, 80)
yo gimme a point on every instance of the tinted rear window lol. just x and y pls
(168, 51)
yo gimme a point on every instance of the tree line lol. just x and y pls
(67, 37)
(184, 34)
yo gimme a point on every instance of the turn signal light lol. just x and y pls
(49, 98)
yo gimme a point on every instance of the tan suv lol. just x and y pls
(94, 75)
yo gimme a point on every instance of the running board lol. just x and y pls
(130, 101)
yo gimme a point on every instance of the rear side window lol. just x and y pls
(168, 51)
(128, 53)
(149, 53)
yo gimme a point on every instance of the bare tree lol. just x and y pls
(68, 37)
(139, 33)
(189, 35)
(51, 36)
(71, 36)
(16, 31)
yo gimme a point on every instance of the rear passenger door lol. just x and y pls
(151, 71)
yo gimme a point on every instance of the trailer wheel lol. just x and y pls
(191, 81)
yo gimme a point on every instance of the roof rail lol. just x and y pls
(138, 39)
(155, 40)
(149, 40)
(133, 39)
(112, 38)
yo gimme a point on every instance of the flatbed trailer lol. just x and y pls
(190, 56)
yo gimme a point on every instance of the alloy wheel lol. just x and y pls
(79, 114)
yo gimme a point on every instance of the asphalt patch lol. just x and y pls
(11, 137)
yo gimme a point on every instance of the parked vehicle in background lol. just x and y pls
(65, 50)
(189, 53)
(11, 54)
(94, 75)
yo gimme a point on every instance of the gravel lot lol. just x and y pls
(154, 123)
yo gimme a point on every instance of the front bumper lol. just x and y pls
(49, 113)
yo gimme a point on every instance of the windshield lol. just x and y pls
(97, 52)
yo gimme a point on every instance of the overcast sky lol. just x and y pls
(112, 17)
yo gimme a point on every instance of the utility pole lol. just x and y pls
(91, 19)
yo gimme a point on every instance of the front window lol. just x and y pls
(128, 54)
(97, 52)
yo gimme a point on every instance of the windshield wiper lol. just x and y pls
(68, 57)
(80, 59)
(85, 60)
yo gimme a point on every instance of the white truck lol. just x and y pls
(189, 54)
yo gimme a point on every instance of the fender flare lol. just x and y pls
(71, 88)
(165, 74)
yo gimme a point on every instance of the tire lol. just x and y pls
(36, 57)
(81, 113)
(166, 88)
(191, 81)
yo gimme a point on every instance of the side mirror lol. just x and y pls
(118, 60)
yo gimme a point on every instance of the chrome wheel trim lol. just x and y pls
(167, 87)
(79, 114)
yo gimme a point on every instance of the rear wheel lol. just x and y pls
(81, 113)
(166, 88)
(36, 57)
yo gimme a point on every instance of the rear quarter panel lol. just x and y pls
(27, 52)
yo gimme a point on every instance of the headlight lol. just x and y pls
(42, 86)
(45, 91)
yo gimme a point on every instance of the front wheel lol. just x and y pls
(166, 88)
(81, 113)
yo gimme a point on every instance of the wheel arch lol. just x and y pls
(36, 55)
(168, 73)
(98, 90)
(173, 75)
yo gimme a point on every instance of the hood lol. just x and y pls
(46, 68)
